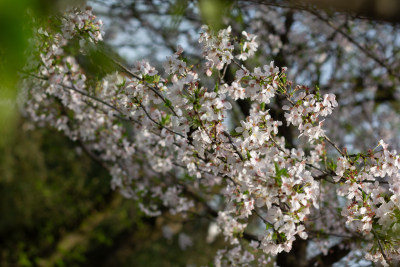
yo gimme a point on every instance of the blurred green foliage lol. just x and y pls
(57, 209)
(213, 12)
(17, 21)
(46, 189)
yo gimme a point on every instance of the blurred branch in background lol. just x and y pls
(378, 10)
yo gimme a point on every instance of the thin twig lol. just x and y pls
(354, 42)
(157, 92)
(80, 92)
(334, 145)
(380, 246)
(262, 218)
(233, 145)
(159, 124)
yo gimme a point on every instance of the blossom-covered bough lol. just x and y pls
(169, 144)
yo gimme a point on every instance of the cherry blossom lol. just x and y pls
(167, 144)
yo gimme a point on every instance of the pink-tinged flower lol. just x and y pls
(330, 100)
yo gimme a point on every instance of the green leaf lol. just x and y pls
(216, 88)
(152, 79)
(262, 106)
(168, 103)
(165, 119)
(280, 172)
(284, 79)
(148, 78)
(248, 155)
(317, 92)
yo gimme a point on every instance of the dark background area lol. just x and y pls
(57, 209)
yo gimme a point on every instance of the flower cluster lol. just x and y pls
(371, 208)
(216, 49)
(166, 143)
(305, 110)
(82, 23)
(249, 47)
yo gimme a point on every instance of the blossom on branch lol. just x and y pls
(167, 144)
